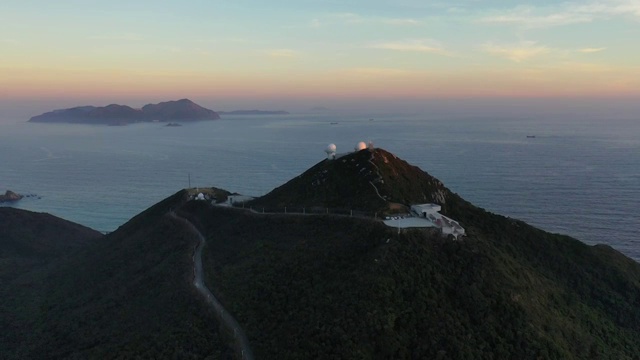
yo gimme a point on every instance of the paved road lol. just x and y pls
(242, 343)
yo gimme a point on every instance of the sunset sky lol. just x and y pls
(226, 51)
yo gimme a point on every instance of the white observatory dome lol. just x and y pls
(361, 146)
(331, 151)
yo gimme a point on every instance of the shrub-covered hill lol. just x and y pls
(371, 180)
(328, 287)
(128, 295)
(31, 244)
(26, 234)
(317, 286)
(321, 286)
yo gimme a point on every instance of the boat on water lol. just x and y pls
(531, 136)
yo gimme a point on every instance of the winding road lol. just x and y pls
(240, 338)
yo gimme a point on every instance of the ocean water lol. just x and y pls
(579, 177)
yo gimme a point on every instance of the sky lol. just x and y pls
(283, 53)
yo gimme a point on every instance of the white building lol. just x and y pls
(432, 212)
(424, 210)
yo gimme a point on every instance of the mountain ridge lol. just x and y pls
(326, 286)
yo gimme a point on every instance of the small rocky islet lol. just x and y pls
(10, 196)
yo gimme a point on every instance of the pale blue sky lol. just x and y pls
(365, 49)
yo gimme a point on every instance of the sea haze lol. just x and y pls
(579, 177)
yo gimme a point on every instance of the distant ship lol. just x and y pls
(531, 136)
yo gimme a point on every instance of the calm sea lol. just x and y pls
(579, 177)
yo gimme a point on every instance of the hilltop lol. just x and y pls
(325, 286)
(114, 114)
(369, 180)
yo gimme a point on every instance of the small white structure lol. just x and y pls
(238, 199)
(432, 212)
(360, 146)
(200, 196)
(425, 209)
(331, 151)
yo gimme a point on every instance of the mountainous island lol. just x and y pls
(313, 270)
(175, 111)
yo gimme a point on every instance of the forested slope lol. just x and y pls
(128, 295)
(322, 286)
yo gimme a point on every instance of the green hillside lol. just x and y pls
(331, 287)
(319, 286)
(31, 245)
(128, 295)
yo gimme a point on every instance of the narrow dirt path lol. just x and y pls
(240, 338)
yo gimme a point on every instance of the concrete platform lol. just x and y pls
(409, 222)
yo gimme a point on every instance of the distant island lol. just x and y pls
(10, 196)
(176, 111)
(254, 112)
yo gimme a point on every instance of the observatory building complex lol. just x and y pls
(420, 215)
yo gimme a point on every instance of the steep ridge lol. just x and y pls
(27, 234)
(129, 295)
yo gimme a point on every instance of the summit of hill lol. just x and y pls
(370, 180)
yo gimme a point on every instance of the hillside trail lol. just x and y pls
(240, 338)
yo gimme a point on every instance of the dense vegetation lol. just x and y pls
(31, 244)
(128, 295)
(331, 287)
(367, 180)
(316, 286)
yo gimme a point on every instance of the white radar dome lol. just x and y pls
(331, 151)
(361, 146)
(331, 148)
